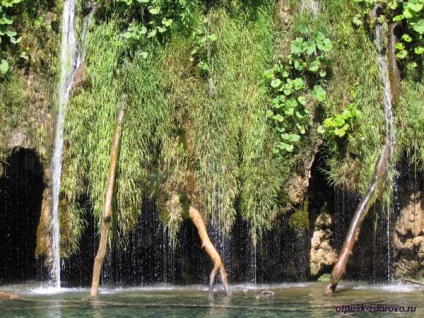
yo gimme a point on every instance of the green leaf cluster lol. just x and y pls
(341, 125)
(152, 18)
(6, 30)
(412, 42)
(295, 86)
(411, 45)
(202, 42)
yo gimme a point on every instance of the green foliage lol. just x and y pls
(6, 31)
(299, 220)
(231, 162)
(411, 12)
(147, 19)
(296, 84)
(324, 278)
(90, 126)
(343, 124)
(350, 162)
(202, 46)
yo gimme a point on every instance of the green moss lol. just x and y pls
(299, 220)
(324, 278)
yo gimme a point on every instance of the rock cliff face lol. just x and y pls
(322, 253)
(409, 238)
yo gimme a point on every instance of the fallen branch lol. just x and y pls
(412, 281)
(198, 221)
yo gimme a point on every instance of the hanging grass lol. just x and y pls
(354, 63)
(220, 131)
(90, 126)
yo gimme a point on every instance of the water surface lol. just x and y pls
(289, 300)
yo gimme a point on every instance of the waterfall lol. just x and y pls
(70, 59)
(388, 119)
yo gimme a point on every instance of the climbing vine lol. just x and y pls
(296, 83)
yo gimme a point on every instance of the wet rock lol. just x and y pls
(408, 240)
(322, 253)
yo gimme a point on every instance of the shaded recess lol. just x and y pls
(372, 256)
(21, 189)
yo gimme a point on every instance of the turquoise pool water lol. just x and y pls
(289, 300)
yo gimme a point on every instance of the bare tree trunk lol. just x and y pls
(107, 209)
(356, 223)
(198, 221)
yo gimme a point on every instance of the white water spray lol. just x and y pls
(70, 60)
(388, 119)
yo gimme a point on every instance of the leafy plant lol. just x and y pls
(341, 125)
(202, 44)
(296, 84)
(410, 11)
(6, 31)
(152, 18)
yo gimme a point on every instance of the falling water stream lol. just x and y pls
(70, 60)
(388, 119)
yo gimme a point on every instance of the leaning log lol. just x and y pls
(107, 209)
(356, 223)
(218, 265)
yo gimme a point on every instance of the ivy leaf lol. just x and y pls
(296, 46)
(419, 27)
(321, 130)
(402, 54)
(284, 146)
(152, 33)
(15, 41)
(407, 38)
(302, 100)
(314, 67)
(166, 22)
(319, 93)
(298, 84)
(154, 10)
(416, 7)
(325, 45)
(143, 30)
(5, 20)
(275, 83)
(301, 128)
(320, 36)
(399, 17)
(269, 113)
(400, 46)
(4, 66)
(143, 1)
(278, 118)
(310, 47)
(212, 37)
(419, 50)
(268, 74)
(299, 65)
(161, 29)
(9, 3)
